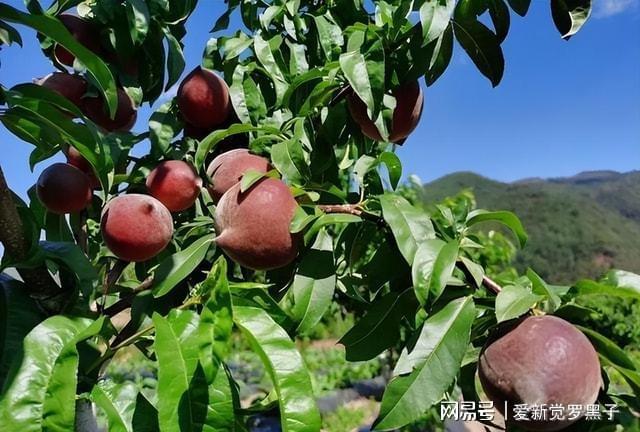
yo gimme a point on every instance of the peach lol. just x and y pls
(136, 227)
(72, 87)
(409, 103)
(77, 160)
(83, 31)
(175, 184)
(62, 188)
(228, 168)
(203, 99)
(126, 115)
(253, 226)
(540, 360)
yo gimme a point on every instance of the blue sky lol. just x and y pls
(563, 107)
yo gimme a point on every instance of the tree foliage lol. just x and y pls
(408, 275)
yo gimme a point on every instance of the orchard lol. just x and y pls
(269, 195)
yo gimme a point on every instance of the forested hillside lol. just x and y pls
(578, 226)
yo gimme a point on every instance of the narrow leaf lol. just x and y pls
(379, 329)
(434, 363)
(180, 265)
(514, 301)
(410, 225)
(311, 292)
(298, 410)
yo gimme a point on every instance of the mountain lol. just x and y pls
(578, 226)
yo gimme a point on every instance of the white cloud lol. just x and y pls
(607, 8)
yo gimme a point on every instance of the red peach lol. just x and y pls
(175, 184)
(62, 188)
(136, 227)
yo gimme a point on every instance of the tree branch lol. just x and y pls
(126, 302)
(352, 209)
(38, 281)
(491, 285)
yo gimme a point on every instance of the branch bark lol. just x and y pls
(37, 280)
(352, 209)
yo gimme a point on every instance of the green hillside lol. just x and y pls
(578, 226)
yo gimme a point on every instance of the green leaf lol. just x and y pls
(329, 35)
(329, 219)
(208, 143)
(48, 366)
(216, 319)
(354, 67)
(311, 292)
(175, 59)
(288, 157)
(540, 287)
(570, 15)
(163, 128)
(71, 256)
(432, 366)
(54, 29)
(118, 401)
(432, 268)
(249, 179)
(499, 12)
(19, 314)
(441, 56)
(410, 225)
(180, 265)
(57, 228)
(283, 362)
(506, 218)
(482, 46)
(9, 35)
(262, 49)
(379, 329)
(621, 278)
(434, 18)
(138, 16)
(145, 416)
(475, 270)
(589, 287)
(301, 219)
(514, 301)
(394, 167)
(521, 7)
(608, 349)
(182, 389)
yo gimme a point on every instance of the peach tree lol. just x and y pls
(252, 201)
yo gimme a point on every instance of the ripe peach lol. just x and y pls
(72, 87)
(77, 160)
(540, 360)
(253, 227)
(175, 184)
(63, 188)
(136, 227)
(409, 102)
(203, 99)
(228, 168)
(126, 115)
(83, 31)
